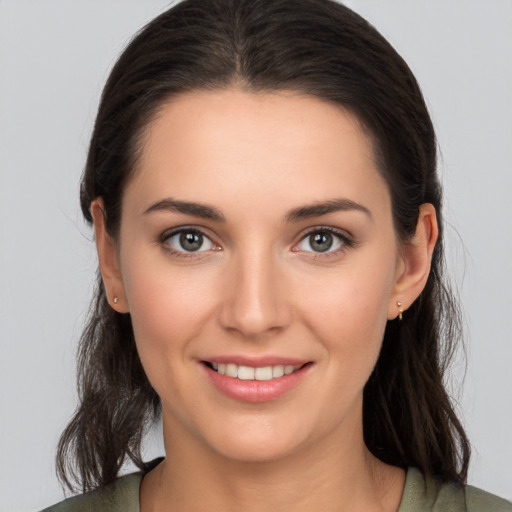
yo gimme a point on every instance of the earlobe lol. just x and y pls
(416, 261)
(108, 259)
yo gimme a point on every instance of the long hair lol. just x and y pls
(323, 49)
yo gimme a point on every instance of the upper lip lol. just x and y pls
(256, 362)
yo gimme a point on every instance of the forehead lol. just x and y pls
(283, 147)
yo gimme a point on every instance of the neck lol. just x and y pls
(347, 479)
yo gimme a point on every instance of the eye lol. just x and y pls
(323, 241)
(188, 240)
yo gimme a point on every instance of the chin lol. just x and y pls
(258, 442)
(256, 452)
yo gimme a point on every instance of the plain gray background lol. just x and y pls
(54, 59)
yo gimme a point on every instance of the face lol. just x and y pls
(259, 264)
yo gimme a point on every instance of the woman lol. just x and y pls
(262, 184)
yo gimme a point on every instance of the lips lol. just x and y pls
(255, 381)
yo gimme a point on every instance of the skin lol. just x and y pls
(256, 288)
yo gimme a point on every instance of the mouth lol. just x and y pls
(249, 373)
(256, 379)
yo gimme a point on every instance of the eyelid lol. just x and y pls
(166, 235)
(345, 237)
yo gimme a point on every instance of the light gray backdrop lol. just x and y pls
(55, 55)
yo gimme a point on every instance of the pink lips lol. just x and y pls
(256, 391)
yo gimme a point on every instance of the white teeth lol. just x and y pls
(278, 371)
(249, 373)
(232, 370)
(245, 373)
(264, 373)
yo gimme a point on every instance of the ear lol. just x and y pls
(108, 259)
(415, 263)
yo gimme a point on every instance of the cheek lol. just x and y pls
(353, 298)
(348, 312)
(167, 305)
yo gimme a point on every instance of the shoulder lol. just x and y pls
(122, 496)
(477, 500)
(427, 495)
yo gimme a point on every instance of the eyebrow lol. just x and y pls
(188, 208)
(297, 214)
(325, 207)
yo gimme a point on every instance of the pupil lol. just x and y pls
(321, 242)
(191, 241)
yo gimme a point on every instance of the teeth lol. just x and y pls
(278, 371)
(264, 373)
(245, 373)
(232, 370)
(249, 373)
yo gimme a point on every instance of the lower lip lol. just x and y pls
(256, 391)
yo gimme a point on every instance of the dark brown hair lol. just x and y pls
(320, 48)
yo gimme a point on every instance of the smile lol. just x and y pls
(250, 373)
(253, 379)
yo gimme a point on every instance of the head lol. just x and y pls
(303, 50)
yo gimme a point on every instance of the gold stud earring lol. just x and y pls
(116, 300)
(400, 310)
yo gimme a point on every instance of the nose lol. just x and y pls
(254, 300)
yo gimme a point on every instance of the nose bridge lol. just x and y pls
(253, 303)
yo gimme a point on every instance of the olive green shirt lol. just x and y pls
(420, 495)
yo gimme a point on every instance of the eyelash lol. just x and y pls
(346, 240)
(164, 238)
